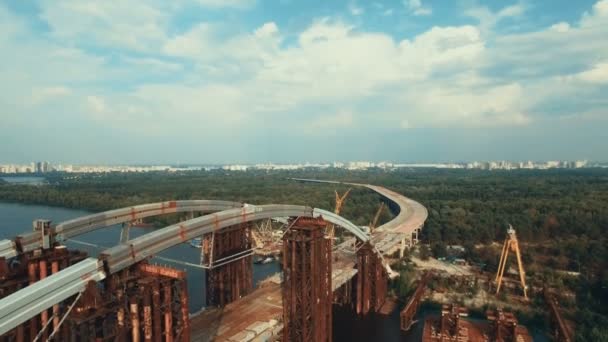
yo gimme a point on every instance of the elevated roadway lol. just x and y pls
(402, 230)
(30, 241)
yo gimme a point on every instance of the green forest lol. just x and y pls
(560, 216)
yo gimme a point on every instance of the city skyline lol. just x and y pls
(250, 81)
(45, 167)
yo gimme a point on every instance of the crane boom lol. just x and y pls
(374, 222)
(339, 202)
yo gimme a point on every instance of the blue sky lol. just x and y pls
(214, 81)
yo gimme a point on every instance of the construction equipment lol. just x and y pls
(374, 222)
(511, 244)
(329, 232)
(262, 234)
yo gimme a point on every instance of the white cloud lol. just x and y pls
(450, 76)
(266, 30)
(126, 24)
(561, 27)
(96, 104)
(416, 7)
(239, 4)
(196, 42)
(597, 74)
(488, 19)
(598, 15)
(354, 9)
(152, 66)
(511, 11)
(40, 95)
(455, 104)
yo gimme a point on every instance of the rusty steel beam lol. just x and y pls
(185, 316)
(168, 311)
(134, 319)
(156, 311)
(56, 318)
(307, 295)
(32, 268)
(562, 332)
(157, 270)
(147, 309)
(44, 315)
(229, 281)
(372, 280)
(409, 311)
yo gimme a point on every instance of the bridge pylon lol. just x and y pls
(372, 280)
(230, 273)
(307, 290)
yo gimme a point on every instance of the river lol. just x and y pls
(25, 180)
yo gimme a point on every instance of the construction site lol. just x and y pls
(50, 293)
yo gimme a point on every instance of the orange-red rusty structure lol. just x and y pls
(27, 269)
(128, 306)
(453, 326)
(228, 277)
(504, 327)
(450, 327)
(410, 309)
(561, 331)
(307, 290)
(372, 280)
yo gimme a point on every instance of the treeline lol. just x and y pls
(99, 192)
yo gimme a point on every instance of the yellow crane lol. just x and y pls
(374, 222)
(339, 201)
(511, 244)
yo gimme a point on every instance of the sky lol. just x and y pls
(223, 81)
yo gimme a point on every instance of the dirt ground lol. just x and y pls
(443, 266)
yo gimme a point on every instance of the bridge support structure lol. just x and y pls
(561, 331)
(307, 290)
(409, 311)
(27, 269)
(372, 280)
(344, 294)
(141, 303)
(229, 255)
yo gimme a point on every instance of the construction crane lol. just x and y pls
(339, 201)
(374, 222)
(511, 244)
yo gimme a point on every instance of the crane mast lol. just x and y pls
(374, 222)
(339, 202)
(511, 244)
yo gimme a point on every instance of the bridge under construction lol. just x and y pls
(50, 293)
